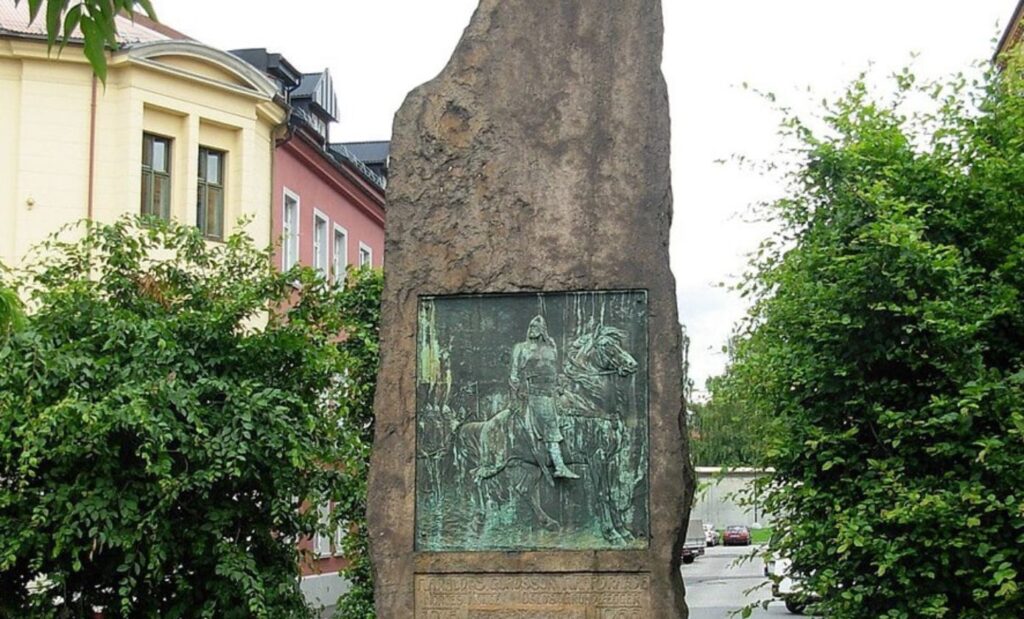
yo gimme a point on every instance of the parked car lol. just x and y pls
(736, 535)
(710, 535)
(694, 544)
(787, 587)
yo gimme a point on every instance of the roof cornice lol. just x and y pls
(1012, 34)
(148, 53)
(365, 195)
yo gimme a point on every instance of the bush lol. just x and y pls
(362, 350)
(887, 348)
(166, 408)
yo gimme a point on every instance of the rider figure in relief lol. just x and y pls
(535, 379)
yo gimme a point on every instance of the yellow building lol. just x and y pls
(1013, 33)
(180, 130)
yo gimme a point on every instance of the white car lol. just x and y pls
(710, 535)
(785, 586)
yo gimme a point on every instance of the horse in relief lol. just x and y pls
(593, 403)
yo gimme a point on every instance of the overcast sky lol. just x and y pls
(377, 51)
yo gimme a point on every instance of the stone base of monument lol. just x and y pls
(530, 453)
(534, 596)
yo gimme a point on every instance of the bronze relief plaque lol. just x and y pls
(532, 422)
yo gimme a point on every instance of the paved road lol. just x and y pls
(715, 586)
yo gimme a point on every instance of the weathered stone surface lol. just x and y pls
(545, 596)
(536, 162)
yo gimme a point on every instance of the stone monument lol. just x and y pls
(530, 456)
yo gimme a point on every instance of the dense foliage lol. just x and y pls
(724, 431)
(11, 314)
(887, 344)
(160, 429)
(361, 307)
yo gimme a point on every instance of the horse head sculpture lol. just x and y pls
(609, 355)
(598, 354)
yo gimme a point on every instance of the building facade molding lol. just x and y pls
(150, 53)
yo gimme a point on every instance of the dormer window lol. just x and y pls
(317, 102)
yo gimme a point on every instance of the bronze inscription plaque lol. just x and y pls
(532, 422)
(533, 596)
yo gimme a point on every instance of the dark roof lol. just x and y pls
(342, 153)
(368, 152)
(274, 65)
(307, 85)
(318, 88)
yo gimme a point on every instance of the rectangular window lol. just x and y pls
(210, 203)
(325, 545)
(339, 537)
(340, 253)
(290, 232)
(320, 246)
(321, 542)
(156, 176)
(365, 256)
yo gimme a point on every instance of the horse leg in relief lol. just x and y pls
(434, 477)
(602, 497)
(480, 513)
(605, 469)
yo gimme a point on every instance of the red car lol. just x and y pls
(736, 536)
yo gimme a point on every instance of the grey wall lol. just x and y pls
(716, 501)
(323, 590)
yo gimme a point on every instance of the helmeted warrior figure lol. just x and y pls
(534, 380)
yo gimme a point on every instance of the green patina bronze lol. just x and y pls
(531, 422)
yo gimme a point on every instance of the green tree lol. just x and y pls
(11, 312)
(361, 350)
(724, 431)
(95, 20)
(166, 409)
(887, 347)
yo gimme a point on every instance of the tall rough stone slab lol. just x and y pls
(531, 179)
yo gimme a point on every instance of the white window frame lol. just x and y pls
(339, 265)
(321, 268)
(363, 247)
(339, 536)
(323, 517)
(286, 194)
(329, 545)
